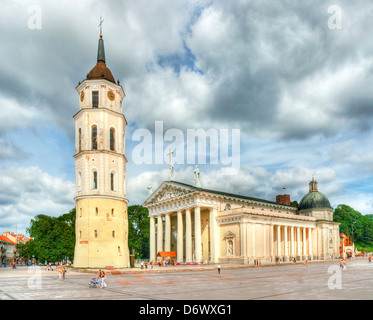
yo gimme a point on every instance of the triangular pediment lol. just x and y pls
(168, 190)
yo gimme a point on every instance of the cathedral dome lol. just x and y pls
(314, 199)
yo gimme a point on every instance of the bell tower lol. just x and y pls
(100, 169)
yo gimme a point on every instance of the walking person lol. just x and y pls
(219, 266)
(63, 273)
(103, 278)
(60, 270)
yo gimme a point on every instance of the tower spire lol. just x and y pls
(101, 49)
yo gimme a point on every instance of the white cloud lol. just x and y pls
(27, 192)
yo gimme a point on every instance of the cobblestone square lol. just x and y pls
(317, 281)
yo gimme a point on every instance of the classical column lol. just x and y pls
(180, 244)
(304, 242)
(271, 240)
(215, 253)
(197, 233)
(188, 236)
(253, 238)
(159, 233)
(213, 231)
(167, 244)
(298, 243)
(292, 241)
(279, 241)
(286, 253)
(152, 238)
(243, 236)
(310, 242)
(265, 254)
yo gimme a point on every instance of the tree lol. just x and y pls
(53, 238)
(354, 224)
(139, 231)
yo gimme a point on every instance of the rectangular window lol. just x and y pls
(94, 99)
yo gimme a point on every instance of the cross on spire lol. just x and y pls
(100, 25)
(169, 154)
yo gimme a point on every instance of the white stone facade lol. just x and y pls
(202, 224)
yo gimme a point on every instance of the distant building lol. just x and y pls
(8, 247)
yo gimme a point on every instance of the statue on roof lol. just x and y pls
(197, 182)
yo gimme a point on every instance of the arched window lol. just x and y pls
(112, 181)
(112, 139)
(80, 139)
(95, 233)
(94, 137)
(113, 234)
(94, 180)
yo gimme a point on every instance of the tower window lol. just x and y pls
(96, 211)
(113, 234)
(95, 233)
(94, 184)
(112, 181)
(112, 212)
(80, 139)
(94, 99)
(112, 139)
(94, 137)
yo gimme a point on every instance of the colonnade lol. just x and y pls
(299, 244)
(156, 238)
(266, 240)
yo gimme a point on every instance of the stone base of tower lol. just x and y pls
(101, 233)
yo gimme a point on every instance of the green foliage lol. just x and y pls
(359, 227)
(138, 231)
(294, 204)
(53, 238)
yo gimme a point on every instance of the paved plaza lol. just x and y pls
(277, 282)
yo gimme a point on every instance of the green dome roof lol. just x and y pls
(313, 200)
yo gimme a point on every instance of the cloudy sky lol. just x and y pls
(293, 78)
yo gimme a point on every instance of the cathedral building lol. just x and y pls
(100, 168)
(202, 224)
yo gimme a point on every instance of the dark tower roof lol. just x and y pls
(314, 199)
(100, 70)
